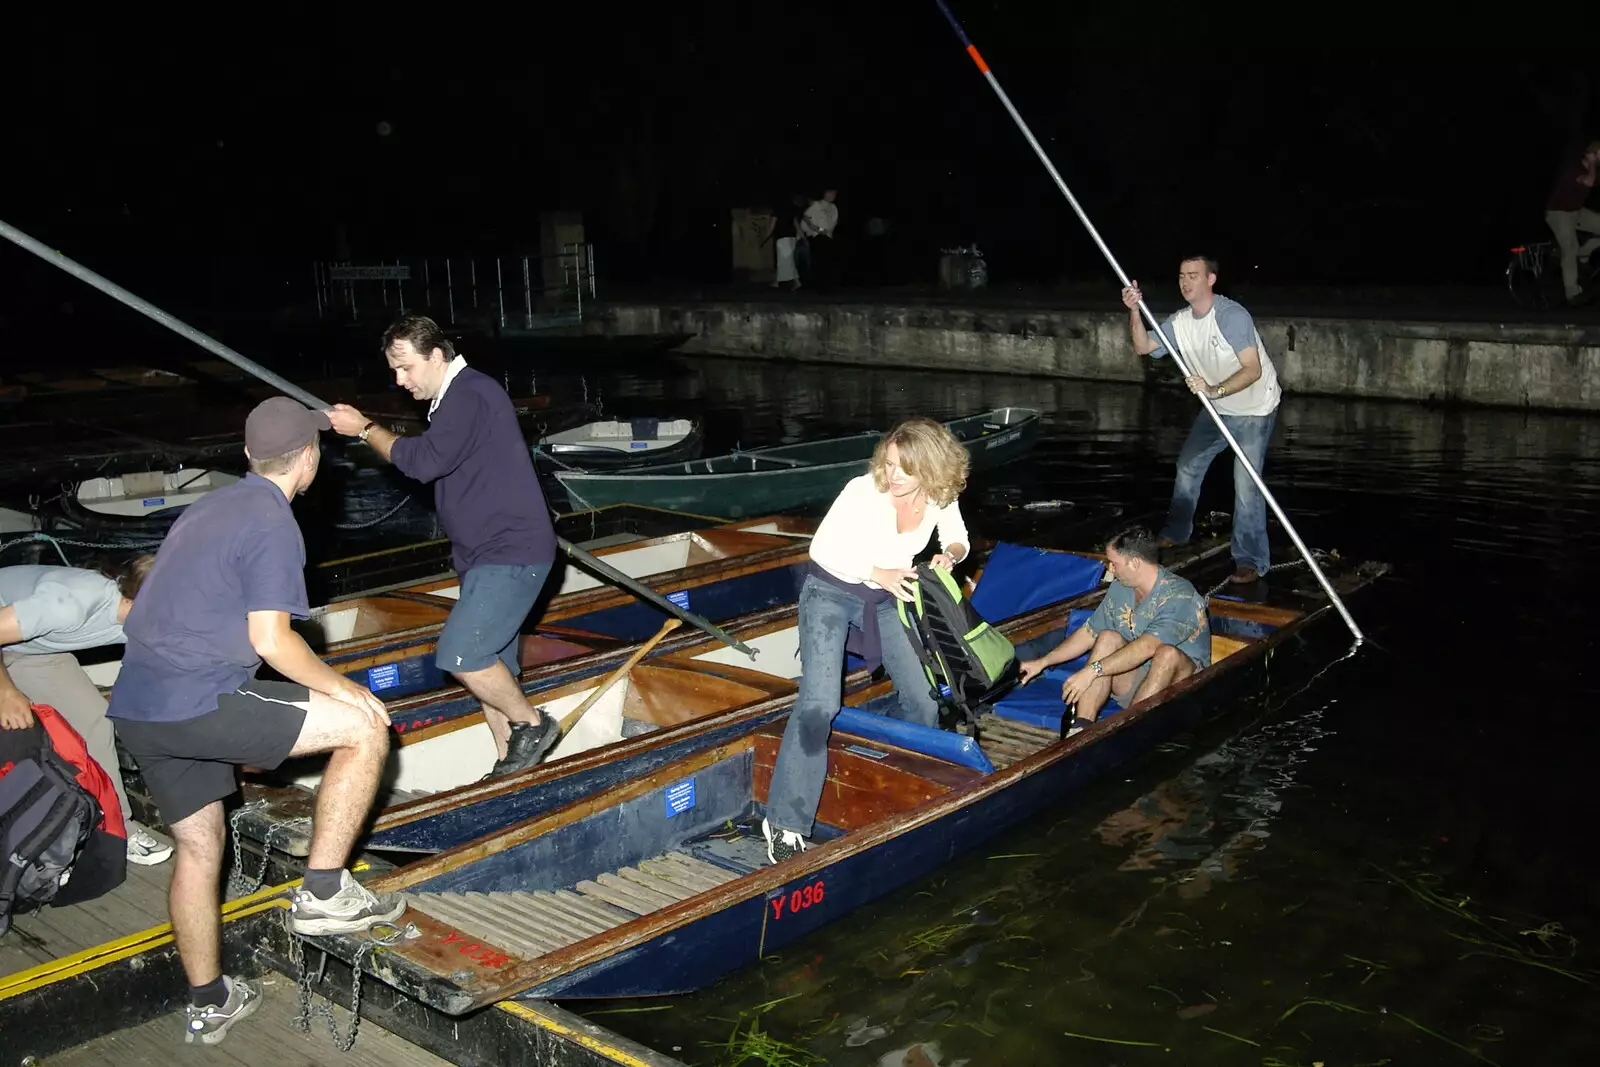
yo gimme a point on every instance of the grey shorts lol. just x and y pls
(486, 623)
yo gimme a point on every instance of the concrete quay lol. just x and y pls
(1429, 354)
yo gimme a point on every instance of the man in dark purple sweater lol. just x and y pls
(494, 513)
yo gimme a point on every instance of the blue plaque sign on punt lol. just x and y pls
(680, 598)
(680, 797)
(385, 676)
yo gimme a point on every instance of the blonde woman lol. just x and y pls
(860, 562)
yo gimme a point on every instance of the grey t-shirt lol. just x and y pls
(61, 609)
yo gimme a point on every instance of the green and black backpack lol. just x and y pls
(968, 662)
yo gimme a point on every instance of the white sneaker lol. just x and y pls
(351, 910)
(144, 849)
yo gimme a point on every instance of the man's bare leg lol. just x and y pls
(1167, 666)
(1094, 698)
(502, 698)
(357, 746)
(194, 900)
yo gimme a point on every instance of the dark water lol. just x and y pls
(1373, 859)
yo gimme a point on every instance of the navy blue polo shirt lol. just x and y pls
(235, 550)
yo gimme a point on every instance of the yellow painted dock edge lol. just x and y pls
(104, 955)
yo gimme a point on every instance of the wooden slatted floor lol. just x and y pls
(268, 1038)
(535, 923)
(1005, 742)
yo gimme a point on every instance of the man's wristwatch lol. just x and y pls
(1098, 670)
(368, 428)
(1222, 391)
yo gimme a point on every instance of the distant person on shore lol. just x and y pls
(1228, 363)
(47, 614)
(227, 581)
(783, 230)
(1566, 214)
(818, 224)
(1150, 630)
(489, 501)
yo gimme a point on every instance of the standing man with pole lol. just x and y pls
(491, 506)
(1229, 365)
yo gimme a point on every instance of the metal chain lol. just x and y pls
(59, 541)
(305, 983)
(240, 884)
(1320, 556)
(373, 522)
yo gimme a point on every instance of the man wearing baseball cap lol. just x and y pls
(217, 603)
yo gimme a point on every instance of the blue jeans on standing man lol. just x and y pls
(826, 614)
(1204, 444)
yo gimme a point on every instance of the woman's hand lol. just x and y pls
(898, 580)
(944, 561)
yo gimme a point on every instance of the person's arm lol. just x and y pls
(1143, 344)
(1178, 619)
(286, 652)
(15, 712)
(429, 455)
(1239, 330)
(952, 537)
(271, 567)
(348, 421)
(1075, 644)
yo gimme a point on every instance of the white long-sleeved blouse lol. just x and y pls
(859, 533)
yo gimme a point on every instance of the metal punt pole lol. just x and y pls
(1172, 349)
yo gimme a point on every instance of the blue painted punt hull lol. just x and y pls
(659, 886)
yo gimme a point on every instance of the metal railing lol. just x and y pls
(514, 293)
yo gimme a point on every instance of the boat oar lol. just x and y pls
(570, 719)
(211, 344)
(1172, 349)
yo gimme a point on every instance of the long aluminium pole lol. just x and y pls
(1172, 349)
(211, 344)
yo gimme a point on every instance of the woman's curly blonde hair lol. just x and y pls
(929, 453)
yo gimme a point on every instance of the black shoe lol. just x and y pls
(528, 744)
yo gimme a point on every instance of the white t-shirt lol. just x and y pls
(821, 217)
(1209, 345)
(859, 533)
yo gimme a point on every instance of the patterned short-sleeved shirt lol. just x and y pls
(1174, 612)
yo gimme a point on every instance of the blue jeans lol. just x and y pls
(826, 613)
(1204, 444)
(486, 623)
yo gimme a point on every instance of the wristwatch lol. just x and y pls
(1222, 391)
(368, 428)
(1095, 666)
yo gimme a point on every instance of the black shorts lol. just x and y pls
(190, 763)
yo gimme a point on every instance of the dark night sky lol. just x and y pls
(1304, 155)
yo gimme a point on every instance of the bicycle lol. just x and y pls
(1533, 276)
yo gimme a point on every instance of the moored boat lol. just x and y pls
(610, 443)
(780, 477)
(661, 884)
(146, 501)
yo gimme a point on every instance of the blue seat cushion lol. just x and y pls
(940, 744)
(1017, 578)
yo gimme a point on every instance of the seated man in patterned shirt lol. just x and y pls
(1150, 630)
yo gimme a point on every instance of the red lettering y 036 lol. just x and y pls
(799, 900)
(479, 953)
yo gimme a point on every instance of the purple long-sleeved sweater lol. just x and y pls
(485, 487)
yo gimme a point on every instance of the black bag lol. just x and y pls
(46, 819)
(969, 663)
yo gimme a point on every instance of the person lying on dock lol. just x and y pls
(860, 564)
(503, 543)
(1150, 630)
(49, 613)
(187, 706)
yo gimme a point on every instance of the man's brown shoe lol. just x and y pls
(1244, 576)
